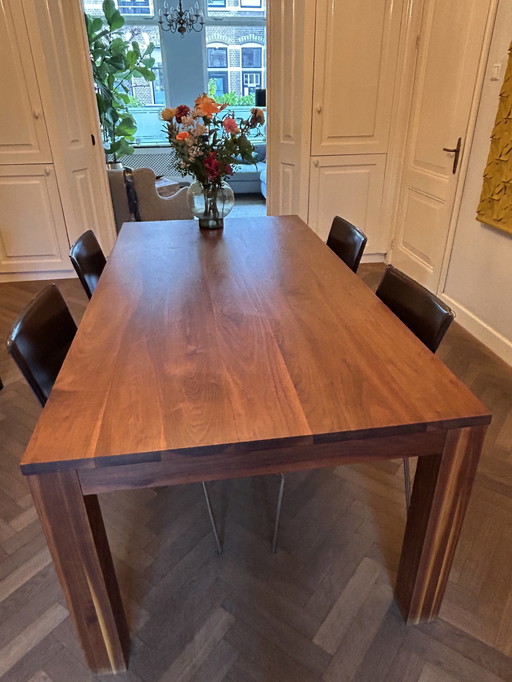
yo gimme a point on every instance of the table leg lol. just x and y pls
(442, 487)
(75, 533)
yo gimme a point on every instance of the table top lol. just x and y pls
(254, 333)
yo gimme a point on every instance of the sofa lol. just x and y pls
(247, 176)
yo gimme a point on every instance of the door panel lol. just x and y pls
(32, 230)
(23, 137)
(290, 72)
(450, 49)
(351, 187)
(354, 75)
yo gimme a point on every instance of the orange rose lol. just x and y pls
(167, 114)
(206, 106)
(183, 135)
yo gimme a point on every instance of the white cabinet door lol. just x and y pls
(351, 187)
(356, 52)
(32, 231)
(23, 137)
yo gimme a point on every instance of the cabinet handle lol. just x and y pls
(47, 170)
(316, 163)
(37, 113)
(319, 108)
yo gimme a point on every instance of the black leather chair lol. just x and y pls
(347, 242)
(40, 340)
(422, 312)
(88, 260)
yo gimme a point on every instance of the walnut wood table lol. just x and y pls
(246, 351)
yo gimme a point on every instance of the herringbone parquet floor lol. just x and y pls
(320, 609)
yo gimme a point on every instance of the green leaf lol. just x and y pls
(127, 126)
(124, 148)
(109, 9)
(144, 73)
(96, 25)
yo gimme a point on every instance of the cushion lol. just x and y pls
(259, 154)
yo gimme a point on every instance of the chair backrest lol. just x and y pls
(152, 206)
(424, 313)
(40, 340)
(347, 241)
(88, 260)
(118, 193)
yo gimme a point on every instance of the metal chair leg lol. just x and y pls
(212, 518)
(407, 481)
(278, 513)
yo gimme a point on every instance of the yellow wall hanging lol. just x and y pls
(495, 207)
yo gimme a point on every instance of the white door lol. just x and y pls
(450, 48)
(290, 75)
(350, 185)
(23, 137)
(356, 51)
(32, 230)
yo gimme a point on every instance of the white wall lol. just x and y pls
(479, 277)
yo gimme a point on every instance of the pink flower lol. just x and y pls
(230, 125)
(183, 135)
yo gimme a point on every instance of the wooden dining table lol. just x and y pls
(207, 355)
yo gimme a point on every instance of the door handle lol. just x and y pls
(455, 151)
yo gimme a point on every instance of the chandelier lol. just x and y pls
(180, 20)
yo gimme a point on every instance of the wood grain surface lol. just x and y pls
(256, 334)
(252, 350)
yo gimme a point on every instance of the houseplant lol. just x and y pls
(115, 61)
(208, 146)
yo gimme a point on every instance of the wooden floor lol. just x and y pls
(320, 609)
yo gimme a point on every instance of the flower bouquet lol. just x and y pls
(208, 146)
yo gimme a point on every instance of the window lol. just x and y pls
(140, 7)
(240, 27)
(251, 80)
(221, 82)
(158, 84)
(217, 57)
(251, 57)
(235, 34)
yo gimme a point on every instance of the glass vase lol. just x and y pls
(210, 203)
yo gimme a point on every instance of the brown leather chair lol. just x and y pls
(419, 309)
(88, 260)
(347, 242)
(422, 312)
(40, 340)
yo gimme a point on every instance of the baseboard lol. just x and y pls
(373, 258)
(481, 330)
(33, 276)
